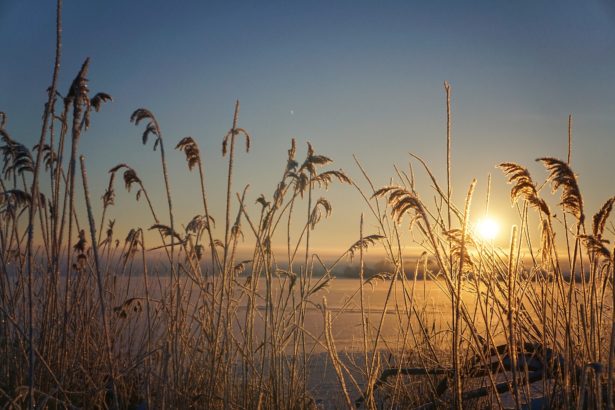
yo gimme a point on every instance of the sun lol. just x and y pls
(487, 228)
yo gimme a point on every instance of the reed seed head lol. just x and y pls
(599, 221)
(191, 149)
(523, 186)
(152, 125)
(401, 201)
(562, 176)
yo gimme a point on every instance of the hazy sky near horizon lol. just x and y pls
(351, 77)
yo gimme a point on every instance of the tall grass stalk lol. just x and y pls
(35, 200)
(99, 278)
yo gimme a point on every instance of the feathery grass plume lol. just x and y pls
(96, 102)
(561, 175)
(599, 221)
(108, 197)
(152, 127)
(130, 175)
(380, 276)
(3, 119)
(291, 164)
(81, 242)
(312, 160)
(546, 240)
(132, 242)
(16, 156)
(261, 200)
(286, 273)
(318, 286)
(325, 178)
(459, 249)
(79, 87)
(597, 246)
(306, 175)
(317, 214)
(523, 186)
(198, 223)
(236, 231)
(241, 267)
(49, 155)
(363, 243)
(79, 98)
(191, 149)
(401, 200)
(109, 232)
(12, 199)
(233, 132)
(166, 231)
(301, 182)
(278, 195)
(100, 98)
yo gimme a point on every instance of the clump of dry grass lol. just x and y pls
(521, 303)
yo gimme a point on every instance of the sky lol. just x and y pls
(362, 78)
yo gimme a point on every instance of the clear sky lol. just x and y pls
(351, 77)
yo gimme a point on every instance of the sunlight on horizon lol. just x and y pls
(488, 228)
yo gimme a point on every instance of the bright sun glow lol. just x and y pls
(487, 229)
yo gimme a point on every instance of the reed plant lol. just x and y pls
(552, 324)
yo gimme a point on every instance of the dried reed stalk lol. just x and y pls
(35, 197)
(101, 289)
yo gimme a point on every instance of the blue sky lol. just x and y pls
(351, 77)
